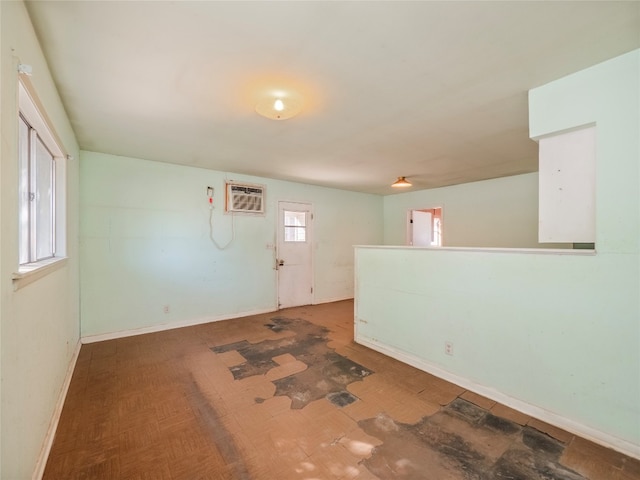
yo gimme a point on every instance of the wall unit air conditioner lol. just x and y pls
(244, 198)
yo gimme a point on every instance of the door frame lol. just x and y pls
(278, 236)
(408, 227)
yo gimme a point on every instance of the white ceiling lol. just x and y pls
(435, 91)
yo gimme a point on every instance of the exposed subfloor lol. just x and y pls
(290, 396)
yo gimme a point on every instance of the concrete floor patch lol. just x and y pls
(328, 373)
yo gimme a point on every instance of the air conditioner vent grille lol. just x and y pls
(245, 198)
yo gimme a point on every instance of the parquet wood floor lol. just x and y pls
(165, 406)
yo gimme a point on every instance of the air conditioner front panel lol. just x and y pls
(245, 198)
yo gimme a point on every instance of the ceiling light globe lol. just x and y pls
(280, 105)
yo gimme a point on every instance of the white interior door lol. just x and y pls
(294, 260)
(421, 228)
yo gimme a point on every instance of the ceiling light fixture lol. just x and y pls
(280, 105)
(401, 183)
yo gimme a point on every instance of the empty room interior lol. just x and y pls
(320, 240)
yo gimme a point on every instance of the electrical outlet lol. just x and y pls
(166, 308)
(448, 348)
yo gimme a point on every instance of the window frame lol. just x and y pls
(39, 130)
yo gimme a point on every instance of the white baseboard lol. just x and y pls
(187, 323)
(53, 424)
(168, 326)
(584, 431)
(331, 300)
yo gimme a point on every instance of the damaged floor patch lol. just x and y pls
(164, 406)
(327, 373)
(341, 399)
(464, 442)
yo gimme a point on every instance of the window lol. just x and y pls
(295, 226)
(41, 187)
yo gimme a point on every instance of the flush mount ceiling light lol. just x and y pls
(280, 104)
(401, 183)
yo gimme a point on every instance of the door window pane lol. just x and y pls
(295, 226)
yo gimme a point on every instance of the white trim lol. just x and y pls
(33, 110)
(55, 418)
(530, 251)
(186, 323)
(40, 126)
(31, 272)
(584, 431)
(100, 337)
(333, 299)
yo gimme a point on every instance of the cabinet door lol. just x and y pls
(567, 187)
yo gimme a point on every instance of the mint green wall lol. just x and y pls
(39, 322)
(502, 212)
(610, 99)
(556, 335)
(145, 244)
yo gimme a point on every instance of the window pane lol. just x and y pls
(44, 220)
(295, 226)
(295, 219)
(295, 234)
(23, 190)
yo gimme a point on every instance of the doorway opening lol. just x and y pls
(424, 227)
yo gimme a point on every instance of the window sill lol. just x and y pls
(35, 271)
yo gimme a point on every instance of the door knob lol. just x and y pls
(280, 263)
